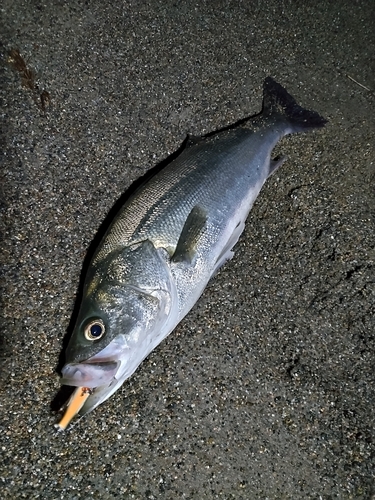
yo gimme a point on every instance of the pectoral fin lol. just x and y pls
(191, 233)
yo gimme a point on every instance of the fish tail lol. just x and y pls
(277, 101)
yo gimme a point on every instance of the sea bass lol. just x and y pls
(166, 242)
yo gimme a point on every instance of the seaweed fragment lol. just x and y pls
(41, 98)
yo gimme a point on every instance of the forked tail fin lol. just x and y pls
(278, 102)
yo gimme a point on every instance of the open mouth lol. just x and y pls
(88, 377)
(89, 374)
(95, 379)
(75, 403)
(91, 379)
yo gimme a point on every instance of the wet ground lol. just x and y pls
(266, 389)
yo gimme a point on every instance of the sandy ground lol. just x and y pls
(266, 389)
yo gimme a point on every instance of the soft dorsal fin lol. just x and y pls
(190, 235)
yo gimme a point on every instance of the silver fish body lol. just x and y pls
(168, 240)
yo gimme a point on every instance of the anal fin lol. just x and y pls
(275, 164)
(227, 252)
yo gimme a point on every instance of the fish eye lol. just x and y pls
(94, 330)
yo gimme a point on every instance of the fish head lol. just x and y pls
(117, 326)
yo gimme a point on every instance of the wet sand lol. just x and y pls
(266, 389)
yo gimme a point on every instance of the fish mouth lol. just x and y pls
(94, 382)
(94, 378)
(89, 374)
(99, 370)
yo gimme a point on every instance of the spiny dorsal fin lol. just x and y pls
(192, 140)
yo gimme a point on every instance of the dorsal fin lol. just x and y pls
(192, 140)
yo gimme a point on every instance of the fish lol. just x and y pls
(170, 237)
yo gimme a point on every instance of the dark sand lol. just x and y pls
(266, 390)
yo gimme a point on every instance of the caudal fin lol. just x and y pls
(277, 101)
